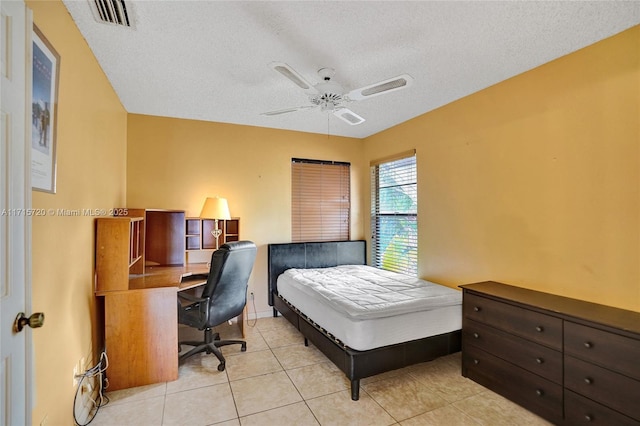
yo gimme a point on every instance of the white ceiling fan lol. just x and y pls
(330, 96)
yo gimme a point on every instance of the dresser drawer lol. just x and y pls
(531, 391)
(614, 390)
(538, 359)
(535, 326)
(615, 352)
(579, 410)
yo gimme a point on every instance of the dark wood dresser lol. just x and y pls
(569, 361)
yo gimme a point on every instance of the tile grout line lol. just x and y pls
(291, 380)
(413, 374)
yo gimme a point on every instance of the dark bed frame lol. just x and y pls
(355, 364)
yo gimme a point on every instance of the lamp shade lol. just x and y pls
(215, 208)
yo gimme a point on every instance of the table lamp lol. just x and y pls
(215, 208)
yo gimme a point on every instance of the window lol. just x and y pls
(320, 200)
(394, 214)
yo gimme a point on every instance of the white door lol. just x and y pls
(15, 204)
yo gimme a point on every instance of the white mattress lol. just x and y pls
(366, 307)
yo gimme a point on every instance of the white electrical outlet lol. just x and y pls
(76, 371)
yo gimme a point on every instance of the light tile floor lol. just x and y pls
(279, 381)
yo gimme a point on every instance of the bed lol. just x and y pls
(372, 335)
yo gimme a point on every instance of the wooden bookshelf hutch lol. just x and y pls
(198, 232)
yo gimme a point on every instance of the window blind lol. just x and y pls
(320, 200)
(394, 214)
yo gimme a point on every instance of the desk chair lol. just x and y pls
(223, 298)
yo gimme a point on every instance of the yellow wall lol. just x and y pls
(535, 181)
(91, 159)
(175, 164)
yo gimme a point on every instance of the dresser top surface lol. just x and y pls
(565, 307)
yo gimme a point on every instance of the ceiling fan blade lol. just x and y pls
(380, 88)
(292, 75)
(349, 116)
(287, 110)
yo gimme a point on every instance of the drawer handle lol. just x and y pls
(588, 345)
(476, 362)
(476, 336)
(477, 309)
(588, 380)
(540, 360)
(539, 328)
(539, 392)
(588, 417)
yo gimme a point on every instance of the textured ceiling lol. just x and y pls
(208, 60)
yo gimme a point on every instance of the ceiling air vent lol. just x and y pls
(115, 12)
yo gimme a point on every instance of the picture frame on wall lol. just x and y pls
(44, 113)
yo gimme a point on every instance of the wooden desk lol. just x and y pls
(141, 326)
(140, 299)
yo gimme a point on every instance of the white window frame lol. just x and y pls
(394, 213)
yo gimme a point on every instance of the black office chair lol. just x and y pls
(223, 298)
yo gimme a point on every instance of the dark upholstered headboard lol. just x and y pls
(312, 255)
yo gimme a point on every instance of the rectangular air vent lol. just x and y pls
(115, 12)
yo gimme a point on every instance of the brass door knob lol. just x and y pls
(34, 321)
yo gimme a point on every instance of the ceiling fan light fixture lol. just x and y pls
(326, 98)
(327, 106)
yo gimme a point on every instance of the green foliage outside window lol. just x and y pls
(395, 216)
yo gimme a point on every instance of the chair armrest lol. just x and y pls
(202, 303)
(191, 298)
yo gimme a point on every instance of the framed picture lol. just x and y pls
(44, 112)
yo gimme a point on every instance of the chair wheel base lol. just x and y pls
(221, 366)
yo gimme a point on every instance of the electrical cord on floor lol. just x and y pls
(255, 313)
(95, 371)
